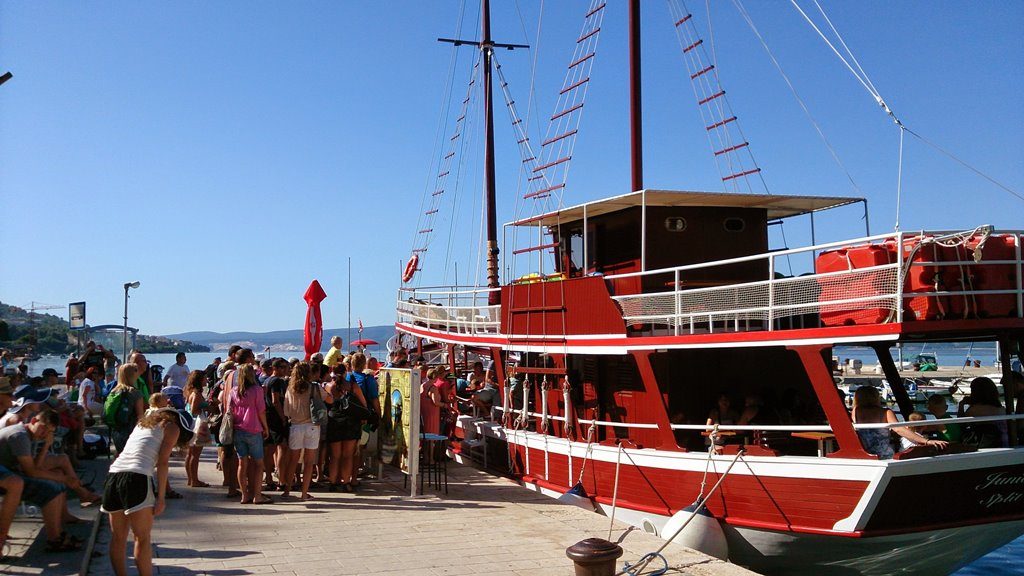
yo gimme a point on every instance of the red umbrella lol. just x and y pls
(364, 342)
(314, 328)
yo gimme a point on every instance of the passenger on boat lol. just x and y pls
(753, 410)
(926, 431)
(723, 413)
(984, 401)
(868, 409)
(937, 407)
(484, 398)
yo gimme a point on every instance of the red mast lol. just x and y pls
(635, 116)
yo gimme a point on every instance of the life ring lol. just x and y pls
(410, 268)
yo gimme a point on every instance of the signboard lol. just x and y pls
(396, 398)
(76, 315)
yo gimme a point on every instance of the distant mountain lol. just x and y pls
(279, 340)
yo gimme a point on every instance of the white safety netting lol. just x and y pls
(837, 292)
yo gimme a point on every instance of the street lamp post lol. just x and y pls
(124, 349)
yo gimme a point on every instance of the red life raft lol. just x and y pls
(838, 287)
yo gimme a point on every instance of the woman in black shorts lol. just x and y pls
(128, 492)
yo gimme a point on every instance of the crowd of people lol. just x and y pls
(278, 425)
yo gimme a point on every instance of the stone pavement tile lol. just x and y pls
(433, 536)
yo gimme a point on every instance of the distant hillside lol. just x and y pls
(42, 333)
(280, 340)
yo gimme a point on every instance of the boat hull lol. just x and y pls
(929, 552)
(791, 515)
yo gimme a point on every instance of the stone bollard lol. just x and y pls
(594, 557)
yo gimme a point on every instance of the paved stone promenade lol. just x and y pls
(484, 525)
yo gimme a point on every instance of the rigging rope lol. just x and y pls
(807, 112)
(868, 85)
(615, 490)
(640, 565)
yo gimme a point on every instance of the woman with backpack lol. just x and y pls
(345, 414)
(128, 492)
(124, 406)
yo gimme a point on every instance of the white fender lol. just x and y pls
(703, 533)
(577, 496)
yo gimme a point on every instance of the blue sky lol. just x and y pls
(225, 154)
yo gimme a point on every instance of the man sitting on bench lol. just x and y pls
(37, 486)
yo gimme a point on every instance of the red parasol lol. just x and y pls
(364, 342)
(314, 328)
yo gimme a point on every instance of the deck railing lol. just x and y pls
(773, 303)
(462, 310)
(877, 291)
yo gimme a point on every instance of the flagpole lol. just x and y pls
(350, 300)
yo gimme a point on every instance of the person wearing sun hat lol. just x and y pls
(27, 403)
(128, 496)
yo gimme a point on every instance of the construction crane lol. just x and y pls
(32, 307)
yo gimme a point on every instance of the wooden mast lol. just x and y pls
(635, 112)
(487, 46)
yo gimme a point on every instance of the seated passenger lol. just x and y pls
(38, 486)
(937, 407)
(723, 412)
(984, 401)
(485, 397)
(868, 409)
(907, 443)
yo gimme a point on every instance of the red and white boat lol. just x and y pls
(655, 302)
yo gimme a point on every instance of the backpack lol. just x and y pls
(119, 409)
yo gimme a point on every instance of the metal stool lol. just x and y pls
(433, 461)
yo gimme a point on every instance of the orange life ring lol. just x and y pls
(410, 268)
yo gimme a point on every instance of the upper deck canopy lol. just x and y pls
(778, 206)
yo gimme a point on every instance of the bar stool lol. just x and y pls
(433, 461)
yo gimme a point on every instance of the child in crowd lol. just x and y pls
(157, 401)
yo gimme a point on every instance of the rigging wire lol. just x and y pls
(442, 122)
(868, 85)
(807, 112)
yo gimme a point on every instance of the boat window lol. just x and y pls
(576, 251)
(734, 224)
(675, 224)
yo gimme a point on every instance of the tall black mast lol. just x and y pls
(635, 106)
(487, 46)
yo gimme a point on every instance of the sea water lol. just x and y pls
(1001, 562)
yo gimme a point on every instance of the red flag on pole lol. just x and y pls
(360, 326)
(314, 328)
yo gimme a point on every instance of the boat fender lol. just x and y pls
(577, 496)
(410, 268)
(704, 533)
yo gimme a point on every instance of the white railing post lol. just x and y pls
(1020, 276)
(678, 297)
(899, 277)
(771, 292)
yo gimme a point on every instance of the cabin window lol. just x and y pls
(734, 224)
(576, 251)
(675, 224)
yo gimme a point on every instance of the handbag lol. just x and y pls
(202, 432)
(226, 436)
(317, 408)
